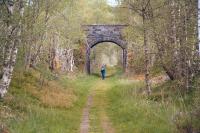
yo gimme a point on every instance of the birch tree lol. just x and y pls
(142, 9)
(172, 30)
(13, 40)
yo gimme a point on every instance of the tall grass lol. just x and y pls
(133, 113)
(56, 105)
(25, 111)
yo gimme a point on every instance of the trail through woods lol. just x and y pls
(95, 118)
(45, 46)
(116, 104)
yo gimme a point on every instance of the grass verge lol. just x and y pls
(132, 112)
(54, 107)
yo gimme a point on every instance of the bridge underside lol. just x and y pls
(104, 33)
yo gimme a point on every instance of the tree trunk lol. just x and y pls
(68, 60)
(146, 54)
(199, 25)
(7, 69)
(174, 39)
(169, 72)
(11, 49)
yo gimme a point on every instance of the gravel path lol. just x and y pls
(97, 100)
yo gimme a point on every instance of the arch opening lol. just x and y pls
(108, 53)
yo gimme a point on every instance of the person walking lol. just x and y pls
(103, 71)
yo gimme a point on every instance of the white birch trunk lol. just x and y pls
(11, 51)
(6, 77)
(67, 59)
(71, 61)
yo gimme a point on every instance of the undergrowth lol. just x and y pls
(55, 106)
(44, 103)
(166, 110)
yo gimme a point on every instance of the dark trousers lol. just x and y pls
(103, 74)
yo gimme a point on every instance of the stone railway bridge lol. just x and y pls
(96, 34)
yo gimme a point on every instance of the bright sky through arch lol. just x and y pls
(112, 2)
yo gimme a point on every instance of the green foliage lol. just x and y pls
(186, 117)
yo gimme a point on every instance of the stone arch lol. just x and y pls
(104, 33)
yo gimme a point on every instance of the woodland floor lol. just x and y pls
(87, 104)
